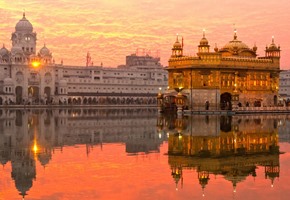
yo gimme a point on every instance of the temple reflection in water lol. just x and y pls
(28, 136)
(230, 146)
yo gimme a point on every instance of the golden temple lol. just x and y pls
(224, 79)
(231, 146)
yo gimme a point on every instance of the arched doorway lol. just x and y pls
(33, 94)
(275, 100)
(18, 91)
(47, 93)
(170, 102)
(226, 101)
(1, 101)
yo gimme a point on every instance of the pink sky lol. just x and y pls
(112, 29)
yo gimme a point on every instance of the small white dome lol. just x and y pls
(3, 51)
(44, 51)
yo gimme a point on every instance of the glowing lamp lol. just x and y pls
(35, 64)
(35, 148)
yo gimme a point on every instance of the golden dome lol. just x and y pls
(237, 47)
(203, 40)
(235, 44)
(177, 44)
(273, 46)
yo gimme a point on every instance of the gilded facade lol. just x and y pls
(230, 146)
(225, 78)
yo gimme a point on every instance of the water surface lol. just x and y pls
(138, 154)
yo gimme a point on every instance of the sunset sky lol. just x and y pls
(112, 29)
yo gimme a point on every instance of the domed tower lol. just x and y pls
(4, 55)
(177, 49)
(203, 177)
(45, 55)
(176, 173)
(24, 37)
(237, 48)
(273, 50)
(203, 46)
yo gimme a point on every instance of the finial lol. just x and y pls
(3, 45)
(23, 13)
(176, 37)
(235, 34)
(216, 48)
(273, 39)
(255, 47)
(203, 33)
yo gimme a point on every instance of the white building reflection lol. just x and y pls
(27, 136)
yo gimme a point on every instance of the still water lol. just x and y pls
(138, 154)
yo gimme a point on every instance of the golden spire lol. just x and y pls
(273, 39)
(203, 33)
(235, 34)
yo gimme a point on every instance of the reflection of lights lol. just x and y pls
(180, 136)
(167, 135)
(160, 135)
(35, 148)
(272, 185)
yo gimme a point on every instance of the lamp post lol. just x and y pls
(179, 102)
(191, 90)
(216, 98)
(160, 101)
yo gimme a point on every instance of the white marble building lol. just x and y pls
(284, 85)
(31, 77)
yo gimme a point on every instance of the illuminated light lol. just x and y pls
(35, 148)
(160, 135)
(35, 64)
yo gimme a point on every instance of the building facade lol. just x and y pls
(284, 85)
(31, 77)
(227, 77)
(230, 146)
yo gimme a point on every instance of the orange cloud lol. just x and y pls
(112, 29)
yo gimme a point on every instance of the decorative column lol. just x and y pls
(160, 101)
(179, 103)
(235, 101)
